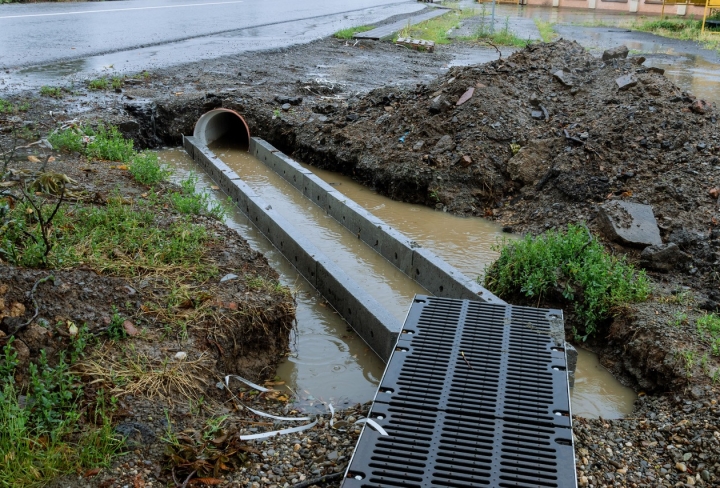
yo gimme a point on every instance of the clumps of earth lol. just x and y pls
(536, 140)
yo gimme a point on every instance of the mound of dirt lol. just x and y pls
(534, 141)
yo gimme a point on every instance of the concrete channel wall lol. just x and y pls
(419, 264)
(373, 323)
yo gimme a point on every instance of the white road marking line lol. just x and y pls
(78, 12)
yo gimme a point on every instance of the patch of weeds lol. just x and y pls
(52, 91)
(708, 326)
(547, 32)
(7, 107)
(40, 436)
(116, 330)
(109, 144)
(117, 82)
(104, 143)
(688, 358)
(115, 238)
(145, 167)
(208, 453)
(437, 29)
(99, 84)
(189, 201)
(568, 266)
(679, 319)
(70, 140)
(351, 31)
(502, 37)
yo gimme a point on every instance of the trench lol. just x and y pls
(329, 362)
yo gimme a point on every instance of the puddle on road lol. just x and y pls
(331, 362)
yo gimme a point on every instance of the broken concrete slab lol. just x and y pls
(625, 82)
(629, 223)
(416, 44)
(619, 52)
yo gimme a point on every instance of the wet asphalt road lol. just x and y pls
(171, 31)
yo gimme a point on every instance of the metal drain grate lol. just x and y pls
(475, 394)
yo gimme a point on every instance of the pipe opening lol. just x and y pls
(223, 127)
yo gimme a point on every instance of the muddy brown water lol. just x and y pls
(329, 361)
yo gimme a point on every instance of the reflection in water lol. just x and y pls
(329, 361)
(597, 392)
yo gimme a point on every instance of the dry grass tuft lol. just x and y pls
(133, 372)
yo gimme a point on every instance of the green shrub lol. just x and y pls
(67, 140)
(569, 266)
(109, 144)
(41, 436)
(145, 167)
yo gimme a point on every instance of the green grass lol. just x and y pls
(189, 201)
(52, 91)
(146, 168)
(436, 29)
(117, 238)
(547, 33)
(116, 82)
(676, 28)
(7, 107)
(99, 84)
(41, 435)
(350, 31)
(708, 326)
(104, 143)
(568, 267)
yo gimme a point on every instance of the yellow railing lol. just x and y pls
(711, 7)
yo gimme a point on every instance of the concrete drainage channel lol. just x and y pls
(380, 329)
(373, 323)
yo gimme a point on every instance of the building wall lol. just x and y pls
(638, 6)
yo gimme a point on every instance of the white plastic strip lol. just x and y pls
(373, 424)
(273, 433)
(332, 415)
(270, 416)
(247, 382)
